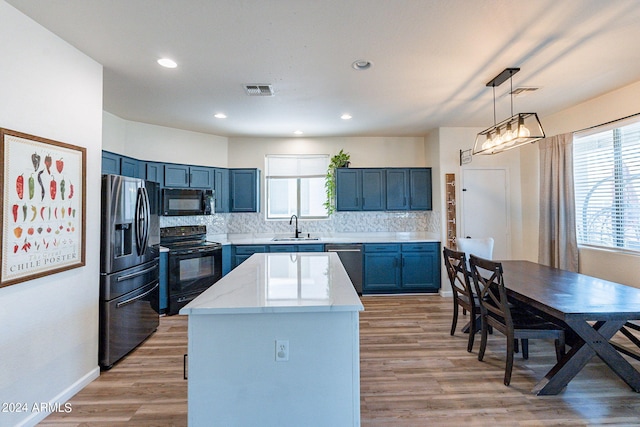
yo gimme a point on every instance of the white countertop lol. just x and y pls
(280, 283)
(374, 237)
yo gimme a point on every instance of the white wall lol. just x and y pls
(49, 326)
(150, 142)
(623, 268)
(365, 151)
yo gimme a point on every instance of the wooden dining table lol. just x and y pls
(595, 309)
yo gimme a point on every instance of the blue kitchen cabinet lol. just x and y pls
(373, 189)
(221, 189)
(155, 172)
(408, 189)
(176, 176)
(397, 189)
(227, 262)
(381, 268)
(132, 167)
(110, 163)
(421, 267)
(239, 253)
(303, 247)
(244, 190)
(201, 177)
(348, 189)
(185, 176)
(164, 281)
(394, 268)
(420, 189)
(360, 189)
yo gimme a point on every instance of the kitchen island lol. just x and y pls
(276, 342)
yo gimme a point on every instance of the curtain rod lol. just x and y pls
(606, 123)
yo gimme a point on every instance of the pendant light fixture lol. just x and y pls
(513, 132)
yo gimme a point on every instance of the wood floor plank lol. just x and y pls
(413, 373)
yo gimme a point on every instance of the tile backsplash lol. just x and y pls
(339, 222)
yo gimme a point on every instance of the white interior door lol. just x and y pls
(485, 208)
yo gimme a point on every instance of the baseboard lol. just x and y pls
(60, 400)
(445, 294)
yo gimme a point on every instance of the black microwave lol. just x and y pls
(187, 201)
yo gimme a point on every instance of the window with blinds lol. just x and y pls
(295, 186)
(607, 185)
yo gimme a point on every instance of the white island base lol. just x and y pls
(300, 305)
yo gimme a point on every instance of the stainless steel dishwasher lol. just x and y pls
(351, 257)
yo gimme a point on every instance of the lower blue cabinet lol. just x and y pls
(395, 268)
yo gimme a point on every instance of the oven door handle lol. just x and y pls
(136, 274)
(137, 297)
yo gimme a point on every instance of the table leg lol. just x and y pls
(595, 341)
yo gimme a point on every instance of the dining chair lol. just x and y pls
(479, 246)
(515, 322)
(463, 296)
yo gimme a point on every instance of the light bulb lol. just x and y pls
(487, 143)
(523, 132)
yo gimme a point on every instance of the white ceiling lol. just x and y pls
(432, 60)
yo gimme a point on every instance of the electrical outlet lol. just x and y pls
(282, 350)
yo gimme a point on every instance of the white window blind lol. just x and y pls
(607, 185)
(297, 165)
(295, 185)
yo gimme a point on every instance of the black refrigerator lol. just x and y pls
(129, 264)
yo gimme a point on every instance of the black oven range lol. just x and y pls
(194, 263)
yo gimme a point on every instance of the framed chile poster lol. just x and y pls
(43, 207)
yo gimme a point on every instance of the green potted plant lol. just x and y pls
(340, 160)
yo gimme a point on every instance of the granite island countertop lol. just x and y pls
(280, 283)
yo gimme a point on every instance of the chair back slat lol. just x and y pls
(456, 265)
(489, 286)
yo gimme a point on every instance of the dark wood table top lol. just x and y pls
(564, 294)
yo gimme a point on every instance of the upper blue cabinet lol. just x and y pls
(111, 163)
(185, 176)
(155, 172)
(391, 189)
(420, 189)
(244, 190)
(359, 189)
(221, 187)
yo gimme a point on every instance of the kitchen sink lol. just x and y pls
(293, 239)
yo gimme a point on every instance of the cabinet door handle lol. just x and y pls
(184, 367)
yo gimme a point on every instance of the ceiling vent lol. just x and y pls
(258, 90)
(523, 90)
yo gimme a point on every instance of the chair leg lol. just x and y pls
(483, 339)
(472, 334)
(509, 363)
(525, 348)
(516, 348)
(455, 317)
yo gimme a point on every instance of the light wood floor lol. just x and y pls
(413, 373)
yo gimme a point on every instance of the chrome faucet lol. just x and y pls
(297, 234)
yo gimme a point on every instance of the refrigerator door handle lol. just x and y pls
(134, 275)
(142, 223)
(137, 297)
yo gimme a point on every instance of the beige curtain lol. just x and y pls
(557, 245)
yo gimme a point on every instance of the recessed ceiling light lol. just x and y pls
(346, 117)
(362, 64)
(220, 116)
(298, 132)
(167, 63)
